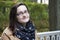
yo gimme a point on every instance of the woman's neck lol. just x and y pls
(24, 24)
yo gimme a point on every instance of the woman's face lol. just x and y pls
(22, 14)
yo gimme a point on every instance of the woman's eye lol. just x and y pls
(20, 13)
(25, 11)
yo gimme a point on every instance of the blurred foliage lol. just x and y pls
(38, 13)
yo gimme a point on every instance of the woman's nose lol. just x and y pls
(24, 15)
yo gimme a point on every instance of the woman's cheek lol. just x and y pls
(28, 15)
(19, 18)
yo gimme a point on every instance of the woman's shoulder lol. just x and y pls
(7, 35)
(7, 31)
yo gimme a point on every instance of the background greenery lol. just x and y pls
(38, 13)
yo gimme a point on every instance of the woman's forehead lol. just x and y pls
(21, 8)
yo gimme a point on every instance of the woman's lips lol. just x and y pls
(25, 18)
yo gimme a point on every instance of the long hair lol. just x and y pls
(12, 16)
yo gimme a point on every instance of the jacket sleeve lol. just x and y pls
(5, 37)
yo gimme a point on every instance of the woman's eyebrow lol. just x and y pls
(20, 12)
(26, 10)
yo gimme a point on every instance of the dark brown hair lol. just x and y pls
(12, 16)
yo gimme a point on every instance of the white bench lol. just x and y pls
(51, 35)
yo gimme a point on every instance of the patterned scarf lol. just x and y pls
(25, 33)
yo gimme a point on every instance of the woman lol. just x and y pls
(21, 27)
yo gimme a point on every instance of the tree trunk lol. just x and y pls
(52, 14)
